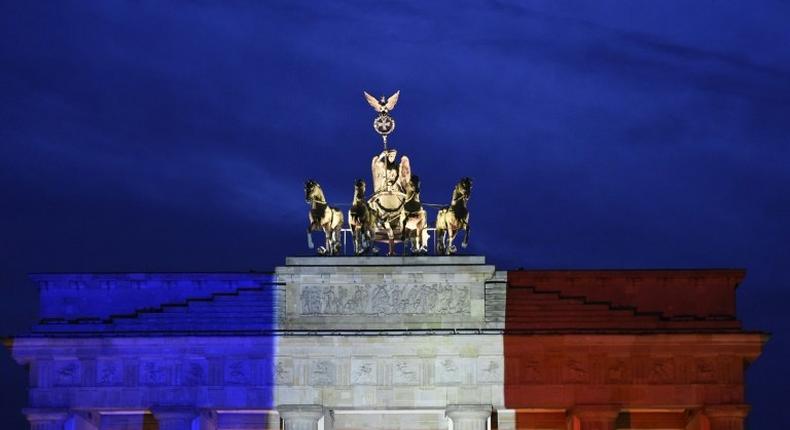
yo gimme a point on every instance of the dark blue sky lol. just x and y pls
(148, 136)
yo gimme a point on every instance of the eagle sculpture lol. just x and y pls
(384, 105)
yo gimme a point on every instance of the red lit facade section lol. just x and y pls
(648, 349)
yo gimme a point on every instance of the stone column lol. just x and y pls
(174, 418)
(726, 417)
(469, 417)
(595, 417)
(46, 419)
(300, 417)
(207, 419)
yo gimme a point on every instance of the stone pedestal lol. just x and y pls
(726, 417)
(594, 417)
(300, 417)
(469, 417)
(46, 419)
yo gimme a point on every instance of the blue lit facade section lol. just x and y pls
(190, 339)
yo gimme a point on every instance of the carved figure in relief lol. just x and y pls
(358, 301)
(397, 301)
(237, 371)
(662, 371)
(68, 371)
(576, 371)
(616, 372)
(381, 300)
(384, 299)
(195, 374)
(330, 303)
(449, 365)
(323, 373)
(311, 300)
(363, 373)
(107, 373)
(406, 373)
(492, 367)
(153, 373)
(282, 373)
(68, 374)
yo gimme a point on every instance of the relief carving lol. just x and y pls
(237, 372)
(154, 373)
(384, 299)
(67, 373)
(615, 373)
(109, 372)
(704, 370)
(195, 373)
(284, 372)
(662, 371)
(575, 371)
(322, 373)
(406, 372)
(363, 372)
(448, 371)
(489, 370)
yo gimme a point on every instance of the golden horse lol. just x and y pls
(454, 218)
(362, 221)
(414, 219)
(322, 217)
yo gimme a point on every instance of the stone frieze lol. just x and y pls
(383, 299)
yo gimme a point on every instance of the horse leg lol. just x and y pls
(328, 240)
(403, 232)
(467, 232)
(451, 249)
(337, 243)
(423, 233)
(390, 238)
(309, 237)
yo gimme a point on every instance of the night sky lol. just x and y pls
(169, 136)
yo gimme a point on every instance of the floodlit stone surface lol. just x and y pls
(389, 343)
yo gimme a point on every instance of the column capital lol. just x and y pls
(45, 418)
(468, 417)
(727, 411)
(468, 411)
(300, 417)
(46, 414)
(305, 412)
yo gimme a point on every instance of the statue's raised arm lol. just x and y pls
(404, 176)
(378, 168)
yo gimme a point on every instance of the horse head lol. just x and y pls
(465, 187)
(310, 187)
